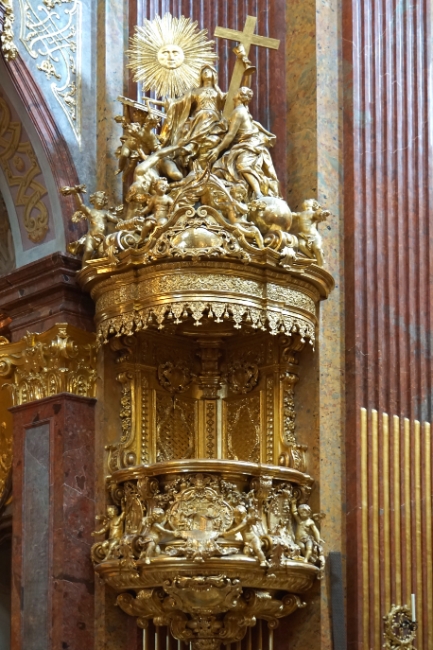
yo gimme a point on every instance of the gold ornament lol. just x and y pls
(206, 296)
(168, 53)
(400, 630)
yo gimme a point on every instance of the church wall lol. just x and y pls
(387, 201)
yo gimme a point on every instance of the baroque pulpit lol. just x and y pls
(206, 291)
(215, 340)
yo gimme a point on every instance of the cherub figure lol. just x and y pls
(113, 524)
(154, 531)
(159, 203)
(245, 524)
(96, 217)
(241, 54)
(237, 214)
(307, 534)
(139, 140)
(305, 228)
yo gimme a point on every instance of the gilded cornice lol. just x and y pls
(60, 360)
(129, 299)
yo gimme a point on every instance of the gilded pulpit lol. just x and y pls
(206, 287)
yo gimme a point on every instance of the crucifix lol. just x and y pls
(245, 38)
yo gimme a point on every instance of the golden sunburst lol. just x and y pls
(168, 53)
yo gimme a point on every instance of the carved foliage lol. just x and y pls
(232, 610)
(8, 46)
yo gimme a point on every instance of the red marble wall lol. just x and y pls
(388, 258)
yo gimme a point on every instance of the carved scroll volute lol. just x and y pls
(291, 452)
(122, 453)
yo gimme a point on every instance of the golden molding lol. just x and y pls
(129, 298)
(8, 46)
(61, 360)
(19, 163)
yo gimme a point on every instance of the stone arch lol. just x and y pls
(35, 163)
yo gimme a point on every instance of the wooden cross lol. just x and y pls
(247, 38)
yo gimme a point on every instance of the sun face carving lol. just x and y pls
(167, 54)
(170, 56)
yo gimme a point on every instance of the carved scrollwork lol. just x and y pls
(242, 376)
(196, 234)
(50, 32)
(207, 610)
(174, 377)
(198, 516)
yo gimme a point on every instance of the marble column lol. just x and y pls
(53, 490)
(314, 170)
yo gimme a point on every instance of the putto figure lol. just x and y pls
(113, 525)
(97, 218)
(307, 535)
(246, 525)
(305, 223)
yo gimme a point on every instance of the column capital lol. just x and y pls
(60, 360)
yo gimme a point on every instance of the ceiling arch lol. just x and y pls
(34, 164)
